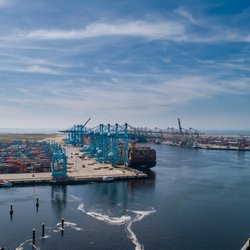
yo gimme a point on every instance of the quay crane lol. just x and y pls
(107, 143)
(59, 161)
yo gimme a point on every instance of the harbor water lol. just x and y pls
(193, 199)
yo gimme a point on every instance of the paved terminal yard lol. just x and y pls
(88, 168)
(79, 170)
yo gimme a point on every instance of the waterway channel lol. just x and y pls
(193, 199)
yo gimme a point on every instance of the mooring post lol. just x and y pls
(11, 210)
(62, 223)
(33, 236)
(43, 230)
(37, 204)
(62, 226)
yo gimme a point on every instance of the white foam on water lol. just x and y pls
(107, 219)
(110, 220)
(72, 225)
(35, 247)
(67, 224)
(123, 220)
(81, 208)
(58, 229)
(75, 198)
(46, 236)
(131, 235)
(126, 220)
(20, 247)
(143, 213)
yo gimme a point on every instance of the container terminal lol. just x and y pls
(101, 153)
(85, 155)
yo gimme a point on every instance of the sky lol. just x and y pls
(144, 62)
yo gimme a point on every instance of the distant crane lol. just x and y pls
(75, 134)
(180, 128)
(86, 123)
(59, 161)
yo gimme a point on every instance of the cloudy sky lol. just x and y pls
(145, 62)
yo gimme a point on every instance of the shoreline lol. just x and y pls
(68, 181)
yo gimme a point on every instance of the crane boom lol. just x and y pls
(180, 128)
(86, 122)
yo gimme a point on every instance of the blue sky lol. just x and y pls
(145, 62)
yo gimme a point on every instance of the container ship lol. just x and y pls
(141, 157)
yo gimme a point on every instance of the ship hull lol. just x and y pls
(142, 165)
(141, 157)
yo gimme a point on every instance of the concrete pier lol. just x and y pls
(79, 170)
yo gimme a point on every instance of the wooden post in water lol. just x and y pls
(11, 211)
(62, 226)
(43, 230)
(33, 237)
(37, 204)
(62, 223)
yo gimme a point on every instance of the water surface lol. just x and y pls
(194, 199)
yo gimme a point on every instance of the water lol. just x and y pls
(194, 199)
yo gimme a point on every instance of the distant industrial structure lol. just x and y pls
(192, 138)
(104, 139)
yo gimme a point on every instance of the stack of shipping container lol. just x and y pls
(25, 157)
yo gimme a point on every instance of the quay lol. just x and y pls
(79, 170)
(208, 146)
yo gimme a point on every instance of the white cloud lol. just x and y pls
(185, 14)
(120, 100)
(31, 69)
(151, 30)
(120, 94)
(6, 3)
(167, 59)
(40, 69)
(172, 30)
(98, 75)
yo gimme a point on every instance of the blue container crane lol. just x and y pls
(59, 161)
(107, 143)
